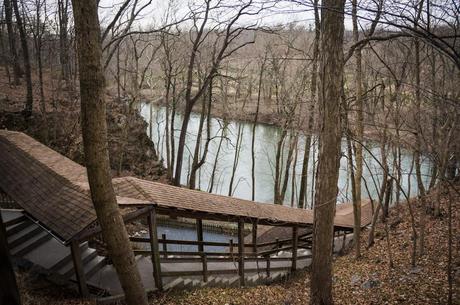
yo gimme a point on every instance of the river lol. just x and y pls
(267, 137)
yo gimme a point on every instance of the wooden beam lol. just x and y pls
(174, 212)
(154, 248)
(241, 251)
(199, 238)
(254, 236)
(78, 267)
(199, 234)
(165, 246)
(87, 233)
(205, 266)
(295, 235)
(268, 265)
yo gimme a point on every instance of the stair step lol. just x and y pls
(95, 265)
(188, 283)
(16, 228)
(196, 283)
(31, 244)
(66, 260)
(23, 236)
(234, 281)
(87, 255)
(14, 221)
(175, 284)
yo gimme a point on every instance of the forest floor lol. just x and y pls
(131, 150)
(368, 280)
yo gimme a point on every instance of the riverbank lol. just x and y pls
(269, 116)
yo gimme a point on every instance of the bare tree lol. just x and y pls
(226, 34)
(331, 74)
(17, 71)
(94, 131)
(25, 54)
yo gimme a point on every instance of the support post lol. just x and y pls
(165, 245)
(295, 237)
(344, 237)
(199, 238)
(268, 265)
(241, 251)
(199, 234)
(205, 266)
(78, 267)
(254, 236)
(231, 247)
(155, 250)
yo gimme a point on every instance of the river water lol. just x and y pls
(266, 140)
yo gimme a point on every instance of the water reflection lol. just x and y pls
(266, 140)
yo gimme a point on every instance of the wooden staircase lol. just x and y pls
(28, 240)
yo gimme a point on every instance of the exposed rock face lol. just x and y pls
(131, 150)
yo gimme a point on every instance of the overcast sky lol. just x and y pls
(282, 13)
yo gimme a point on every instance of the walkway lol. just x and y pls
(58, 218)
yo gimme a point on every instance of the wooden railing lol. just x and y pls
(229, 255)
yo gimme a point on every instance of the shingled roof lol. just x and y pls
(51, 188)
(54, 190)
(48, 186)
(171, 197)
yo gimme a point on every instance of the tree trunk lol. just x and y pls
(356, 184)
(314, 77)
(236, 158)
(292, 146)
(216, 159)
(172, 132)
(278, 171)
(64, 58)
(254, 125)
(94, 131)
(331, 80)
(17, 72)
(356, 203)
(25, 54)
(181, 145)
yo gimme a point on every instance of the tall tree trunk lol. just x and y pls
(294, 172)
(216, 159)
(9, 292)
(17, 72)
(278, 170)
(356, 184)
(181, 145)
(254, 125)
(172, 132)
(196, 152)
(25, 54)
(94, 131)
(167, 136)
(64, 58)
(356, 203)
(292, 146)
(418, 147)
(331, 80)
(314, 76)
(236, 157)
